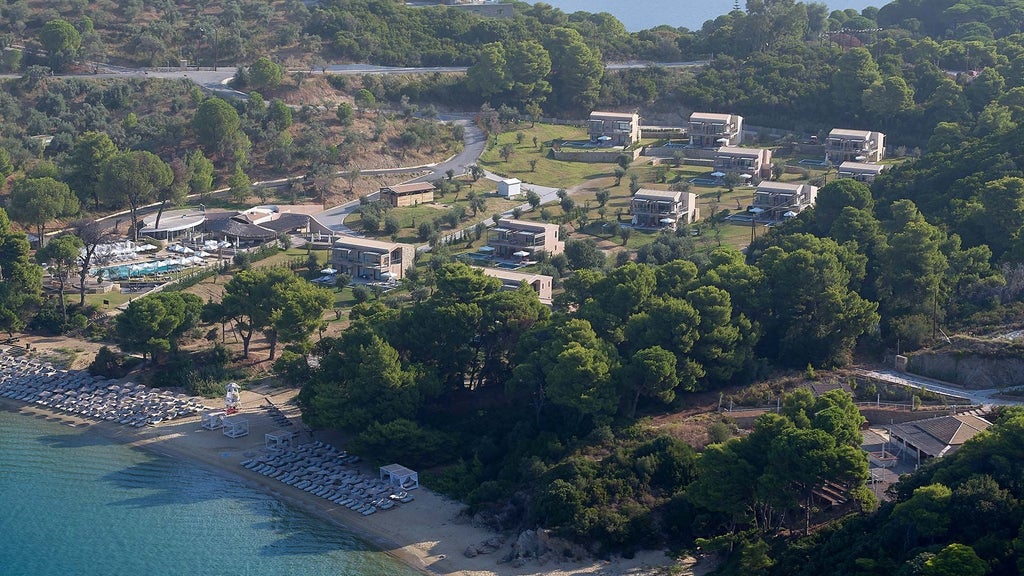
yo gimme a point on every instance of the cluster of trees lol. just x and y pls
(922, 275)
(527, 72)
(274, 302)
(958, 515)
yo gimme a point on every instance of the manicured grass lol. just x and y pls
(410, 217)
(115, 299)
(548, 172)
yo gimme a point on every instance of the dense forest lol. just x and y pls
(538, 416)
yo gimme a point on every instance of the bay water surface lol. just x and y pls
(74, 502)
(638, 15)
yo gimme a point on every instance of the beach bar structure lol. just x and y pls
(400, 476)
(236, 427)
(410, 194)
(213, 420)
(279, 440)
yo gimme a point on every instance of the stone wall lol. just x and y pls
(973, 371)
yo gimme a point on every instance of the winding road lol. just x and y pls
(988, 397)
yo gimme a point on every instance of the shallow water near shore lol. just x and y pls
(74, 502)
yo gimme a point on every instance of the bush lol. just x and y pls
(403, 441)
(200, 373)
(110, 364)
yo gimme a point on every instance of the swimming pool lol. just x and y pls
(701, 181)
(140, 269)
(508, 265)
(809, 162)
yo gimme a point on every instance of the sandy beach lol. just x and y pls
(429, 534)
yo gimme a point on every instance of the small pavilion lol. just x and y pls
(398, 475)
(213, 420)
(279, 440)
(236, 427)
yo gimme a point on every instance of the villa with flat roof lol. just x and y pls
(860, 171)
(750, 161)
(780, 200)
(614, 128)
(521, 239)
(510, 280)
(844, 145)
(708, 130)
(409, 194)
(372, 259)
(663, 208)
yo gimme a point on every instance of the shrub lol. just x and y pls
(403, 441)
(110, 364)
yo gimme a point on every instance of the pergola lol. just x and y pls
(236, 427)
(278, 440)
(213, 420)
(400, 476)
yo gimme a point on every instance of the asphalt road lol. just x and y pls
(989, 397)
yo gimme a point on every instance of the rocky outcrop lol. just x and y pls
(541, 546)
(489, 546)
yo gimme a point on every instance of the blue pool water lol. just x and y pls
(703, 181)
(73, 502)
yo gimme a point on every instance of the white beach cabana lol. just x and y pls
(236, 427)
(213, 420)
(279, 440)
(398, 475)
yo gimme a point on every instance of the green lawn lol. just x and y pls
(548, 172)
(410, 217)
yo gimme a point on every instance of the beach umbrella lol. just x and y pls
(718, 174)
(756, 210)
(666, 221)
(521, 254)
(329, 270)
(789, 214)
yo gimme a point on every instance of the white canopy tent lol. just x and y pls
(278, 440)
(398, 475)
(236, 427)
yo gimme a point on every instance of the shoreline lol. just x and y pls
(428, 535)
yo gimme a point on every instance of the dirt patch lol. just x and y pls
(61, 351)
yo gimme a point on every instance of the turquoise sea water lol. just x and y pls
(74, 503)
(638, 15)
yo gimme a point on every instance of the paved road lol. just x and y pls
(989, 397)
(371, 69)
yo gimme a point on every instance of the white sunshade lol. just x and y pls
(718, 174)
(746, 176)
(723, 140)
(789, 214)
(521, 253)
(387, 275)
(666, 220)
(328, 270)
(756, 210)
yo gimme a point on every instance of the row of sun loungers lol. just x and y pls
(279, 418)
(329, 473)
(78, 392)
